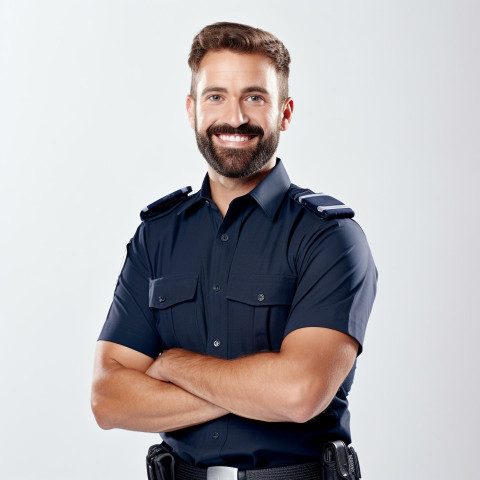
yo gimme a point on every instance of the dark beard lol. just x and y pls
(236, 162)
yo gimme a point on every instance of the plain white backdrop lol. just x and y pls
(93, 127)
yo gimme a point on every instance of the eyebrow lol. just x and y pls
(253, 88)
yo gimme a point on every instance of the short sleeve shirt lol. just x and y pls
(238, 285)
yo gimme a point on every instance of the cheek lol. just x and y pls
(204, 119)
(272, 120)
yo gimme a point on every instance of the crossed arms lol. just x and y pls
(181, 388)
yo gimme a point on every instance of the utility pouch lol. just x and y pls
(340, 462)
(160, 463)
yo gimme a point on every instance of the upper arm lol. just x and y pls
(110, 355)
(336, 281)
(130, 321)
(322, 358)
(108, 399)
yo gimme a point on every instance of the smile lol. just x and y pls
(238, 139)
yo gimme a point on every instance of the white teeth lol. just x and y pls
(233, 138)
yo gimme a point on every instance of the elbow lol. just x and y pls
(306, 403)
(101, 412)
(301, 413)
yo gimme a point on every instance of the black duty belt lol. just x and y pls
(306, 471)
(339, 462)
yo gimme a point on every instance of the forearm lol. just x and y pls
(129, 399)
(264, 386)
(293, 385)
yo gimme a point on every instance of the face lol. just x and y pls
(236, 113)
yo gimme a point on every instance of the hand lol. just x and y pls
(155, 369)
(158, 369)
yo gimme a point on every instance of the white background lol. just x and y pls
(93, 127)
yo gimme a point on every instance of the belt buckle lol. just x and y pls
(222, 473)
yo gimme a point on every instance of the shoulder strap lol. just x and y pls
(164, 204)
(322, 204)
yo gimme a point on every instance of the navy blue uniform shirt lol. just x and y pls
(236, 286)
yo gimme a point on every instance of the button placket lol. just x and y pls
(223, 251)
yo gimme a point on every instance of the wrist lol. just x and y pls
(166, 363)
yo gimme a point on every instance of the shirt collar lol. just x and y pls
(268, 194)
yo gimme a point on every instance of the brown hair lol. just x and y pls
(241, 39)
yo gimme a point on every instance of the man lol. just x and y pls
(240, 309)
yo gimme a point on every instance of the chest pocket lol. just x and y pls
(258, 309)
(173, 298)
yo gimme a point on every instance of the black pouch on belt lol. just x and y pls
(160, 463)
(340, 462)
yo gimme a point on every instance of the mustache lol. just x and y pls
(226, 129)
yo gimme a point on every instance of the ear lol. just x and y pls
(191, 110)
(287, 111)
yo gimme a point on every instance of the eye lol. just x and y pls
(214, 98)
(254, 99)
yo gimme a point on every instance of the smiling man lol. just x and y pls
(241, 309)
(239, 113)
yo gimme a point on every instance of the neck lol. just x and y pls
(224, 189)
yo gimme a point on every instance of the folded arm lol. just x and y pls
(293, 385)
(124, 396)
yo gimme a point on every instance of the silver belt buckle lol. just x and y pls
(222, 473)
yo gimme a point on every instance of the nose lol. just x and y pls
(235, 114)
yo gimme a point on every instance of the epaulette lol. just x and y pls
(165, 203)
(323, 205)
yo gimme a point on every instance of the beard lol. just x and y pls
(237, 162)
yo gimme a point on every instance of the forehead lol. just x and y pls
(232, 70)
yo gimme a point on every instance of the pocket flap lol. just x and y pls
(262, 290)
(165, 292)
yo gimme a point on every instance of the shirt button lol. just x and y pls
(215, 435)
(161, 299)
(261, 297)
(216, 288)
(224, 237)
(207, 203)
(216, 343)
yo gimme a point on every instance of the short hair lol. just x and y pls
(240, 38)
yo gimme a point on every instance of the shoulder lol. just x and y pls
(165, 205)
(321, 205)
(323, 221)
(327, 232)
